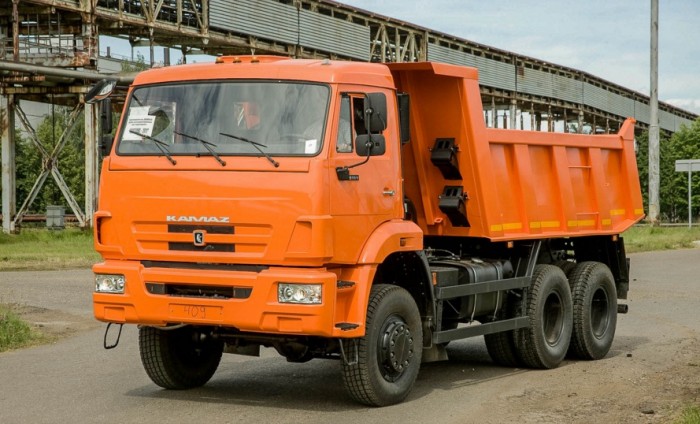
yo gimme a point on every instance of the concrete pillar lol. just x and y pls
(494, 117)
(91, 160)
(580, 122)
(7, 134)
(513, 114)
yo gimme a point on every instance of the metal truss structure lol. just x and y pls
(49, 52)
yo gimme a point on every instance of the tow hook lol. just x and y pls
(116, 342)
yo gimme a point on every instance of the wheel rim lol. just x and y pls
(395, 348)
(599, 313)
(553, 322)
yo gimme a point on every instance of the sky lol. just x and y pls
(607, 38)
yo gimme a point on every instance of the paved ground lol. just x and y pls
(651, 372)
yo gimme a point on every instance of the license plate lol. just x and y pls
(196, 312)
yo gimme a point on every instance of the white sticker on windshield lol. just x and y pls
(139, 122)
(311, 146)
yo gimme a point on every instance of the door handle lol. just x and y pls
(388, 192)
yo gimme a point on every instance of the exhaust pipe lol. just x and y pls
(622, 309)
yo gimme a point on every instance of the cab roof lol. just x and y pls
(275, 68)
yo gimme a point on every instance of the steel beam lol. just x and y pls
(67, 73)
(91, 160)
(7, 133)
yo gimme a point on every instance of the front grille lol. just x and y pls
(211, 247)
(205, 266)
(197, 291)
(208, 229)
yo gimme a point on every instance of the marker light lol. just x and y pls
(299, 293)
(109, 283)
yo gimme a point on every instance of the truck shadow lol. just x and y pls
(317, 385)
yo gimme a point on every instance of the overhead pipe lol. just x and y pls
(67, 73)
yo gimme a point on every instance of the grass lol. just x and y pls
(646, 238)
(689, 415)
(41, 249)
(35, 249)
(14, 332)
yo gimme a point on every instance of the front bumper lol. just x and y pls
(259, 312)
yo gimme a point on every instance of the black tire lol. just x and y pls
(389, 355)
(178, 359)
(501, 346)
(595, 310)
(502, 350)
(544, 343)
(566, 266)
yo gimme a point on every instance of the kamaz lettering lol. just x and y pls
(220, 219)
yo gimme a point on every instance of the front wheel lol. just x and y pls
(389, 354)
(179, 359)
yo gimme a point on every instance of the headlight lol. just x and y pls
(109, 283)
(299, 293)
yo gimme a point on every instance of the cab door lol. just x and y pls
(373, 193)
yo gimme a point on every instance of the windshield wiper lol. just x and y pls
(256, 145)
(206, 145)
(159, 144)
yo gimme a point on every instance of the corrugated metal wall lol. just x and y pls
(492, 73)
(567, 88)
(283, 23)
(329, 34)
(260, 18)
(502, 75)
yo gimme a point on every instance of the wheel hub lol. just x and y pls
(395, 348)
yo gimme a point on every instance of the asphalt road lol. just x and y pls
(76, 380)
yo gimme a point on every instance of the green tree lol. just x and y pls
(673, 188)
(684, 144)
(138, 66)
(71, 162)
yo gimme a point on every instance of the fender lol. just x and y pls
(396, 235)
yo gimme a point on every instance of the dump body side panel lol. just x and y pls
(518, 184)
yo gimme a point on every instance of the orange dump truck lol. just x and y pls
(354, 211)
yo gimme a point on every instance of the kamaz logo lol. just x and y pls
(174, 218)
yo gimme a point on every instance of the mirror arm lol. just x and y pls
(343, 172)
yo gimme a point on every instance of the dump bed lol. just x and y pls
(514, 184)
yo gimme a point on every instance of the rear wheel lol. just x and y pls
(595, 310)
(179, 359)
(544, 343)
(501, 346)
(389, 355)
(502, 350)
(566, 266)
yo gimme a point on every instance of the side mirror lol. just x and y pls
(375, 112)
(106, 145)
(370, 145)
(100, 91)
(404, 117)
(106, 116)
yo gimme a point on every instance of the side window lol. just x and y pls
(351, 121)
(358, 113)
(345, 132)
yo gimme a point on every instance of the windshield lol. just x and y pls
(225, 118)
